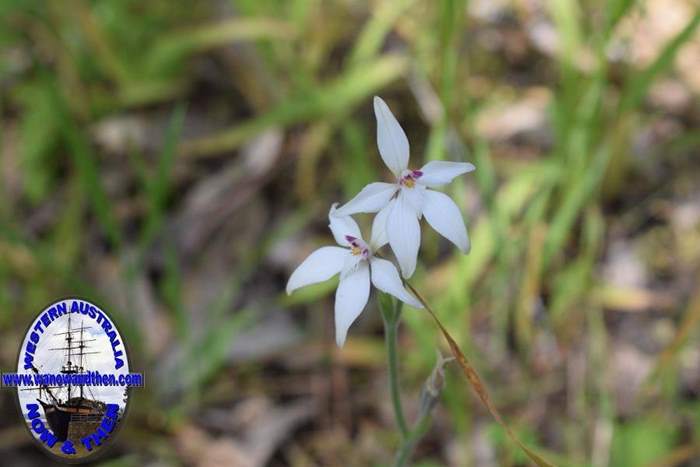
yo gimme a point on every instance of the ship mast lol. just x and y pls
(70, 368)
(82, 347)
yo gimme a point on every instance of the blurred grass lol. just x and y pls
(538, 226)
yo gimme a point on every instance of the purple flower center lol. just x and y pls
(408, 179)
(357, 246)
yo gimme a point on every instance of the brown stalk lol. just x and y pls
(477, 384)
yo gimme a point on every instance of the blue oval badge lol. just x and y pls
(73, 379)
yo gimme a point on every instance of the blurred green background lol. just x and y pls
(174, 162)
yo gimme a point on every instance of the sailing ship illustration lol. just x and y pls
(72, 412)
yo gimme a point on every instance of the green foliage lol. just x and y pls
(40, 136)
(638, 442)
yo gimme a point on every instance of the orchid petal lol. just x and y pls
(342, 227)
(350, 299)
(391, 139)
(379, 236)
(350, 265)
(386, 278)
(372, 198)
(443, 215)
(436, 173)
(319, 266)
(414, 197)
(404, 235)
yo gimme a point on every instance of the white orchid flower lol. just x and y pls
(405, 201)
(355, 261)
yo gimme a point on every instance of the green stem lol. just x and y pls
(391, 314)
(403, 455)
(391, 327)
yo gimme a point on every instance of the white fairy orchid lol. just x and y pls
(405, 201)
(355, 261)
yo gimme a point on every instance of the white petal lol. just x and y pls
(404, 235)
(372, 198)
(341, 226)
(350, 299)
(391, 140)
(414, 197)
(437, 173)
(386, 278)
(350, 265)
(319, 266)
(444, 216)
(379, 236)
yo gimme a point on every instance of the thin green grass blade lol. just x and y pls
(340, 95)
(638, 86)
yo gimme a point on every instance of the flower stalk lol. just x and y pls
(391, 314)
(430, 394)
(405, 451)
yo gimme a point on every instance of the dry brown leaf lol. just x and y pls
(477, 384)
